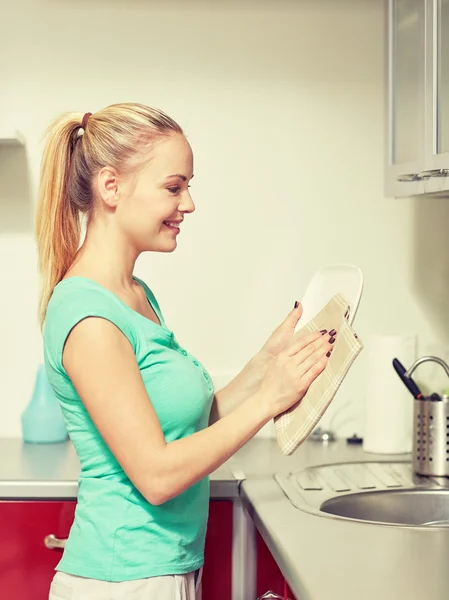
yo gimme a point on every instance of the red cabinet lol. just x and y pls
(27, 565)
(269, 576)
(217, 573)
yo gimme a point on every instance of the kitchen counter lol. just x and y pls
(50, 471)
(320, 557)
(323, 557)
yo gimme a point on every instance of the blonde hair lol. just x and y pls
(120, 136)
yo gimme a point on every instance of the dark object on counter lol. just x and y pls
(407, 381)
(354, 439)
(436, 397)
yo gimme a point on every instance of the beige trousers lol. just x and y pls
(168, 587)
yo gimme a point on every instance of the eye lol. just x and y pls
(175, 189)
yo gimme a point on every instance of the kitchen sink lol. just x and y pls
(384, 493)
(405, 507)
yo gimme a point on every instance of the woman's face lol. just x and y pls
(156, 200)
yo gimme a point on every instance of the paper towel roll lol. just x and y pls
(389, 405)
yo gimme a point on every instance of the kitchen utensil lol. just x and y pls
(408, 381)
(344, 279)
(430, 428)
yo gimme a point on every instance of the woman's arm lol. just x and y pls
(102, 366)
(247, 382)
(244, 385)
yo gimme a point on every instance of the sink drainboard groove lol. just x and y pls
(384, 493)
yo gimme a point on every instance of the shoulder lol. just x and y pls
(77, 297)
(74, 300)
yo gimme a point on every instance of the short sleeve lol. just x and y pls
(66, 311)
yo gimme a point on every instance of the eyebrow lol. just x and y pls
(183, 177)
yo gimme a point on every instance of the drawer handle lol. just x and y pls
(409, 177)
(53, 543)
(434, 173)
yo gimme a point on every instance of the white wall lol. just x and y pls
(283, 105)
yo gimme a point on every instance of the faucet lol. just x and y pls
(424, 359)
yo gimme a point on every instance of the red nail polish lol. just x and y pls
(332, 340)
(323, 331)
(296, 304)
(328, 354)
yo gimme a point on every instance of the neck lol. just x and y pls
(106, 257)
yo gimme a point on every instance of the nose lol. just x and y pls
(186, 205)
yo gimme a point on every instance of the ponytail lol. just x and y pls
(57, 219)
(120, 136)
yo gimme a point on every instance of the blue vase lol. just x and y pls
(42, 421)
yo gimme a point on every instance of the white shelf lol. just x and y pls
(10, 137)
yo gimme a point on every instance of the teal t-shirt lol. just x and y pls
(116, 534)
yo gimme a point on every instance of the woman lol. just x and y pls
(140, 410)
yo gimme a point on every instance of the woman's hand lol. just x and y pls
(248, 381)
(294, 369)
(281, 336)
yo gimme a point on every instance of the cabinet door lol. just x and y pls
(437, 111)
(441, 62)
(26, 564)
(269, 576)
(406, 87)
(217, 573)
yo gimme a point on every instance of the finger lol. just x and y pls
(313, 372)
(293, 317)
(297, 309)
(299, 334)
(310, 341)
(301, 342)
(305, 360)
(319, 347)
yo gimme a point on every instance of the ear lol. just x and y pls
(108, 186)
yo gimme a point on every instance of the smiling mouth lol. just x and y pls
(172, 224)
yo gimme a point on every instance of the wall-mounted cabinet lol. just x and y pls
(417, 94)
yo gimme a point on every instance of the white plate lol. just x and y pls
(328, 281)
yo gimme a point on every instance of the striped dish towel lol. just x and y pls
(294, 425)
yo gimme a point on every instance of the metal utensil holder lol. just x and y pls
(431, 430)
(431, 437)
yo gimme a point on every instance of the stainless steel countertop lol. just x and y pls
(329, 558)
(50, 471)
